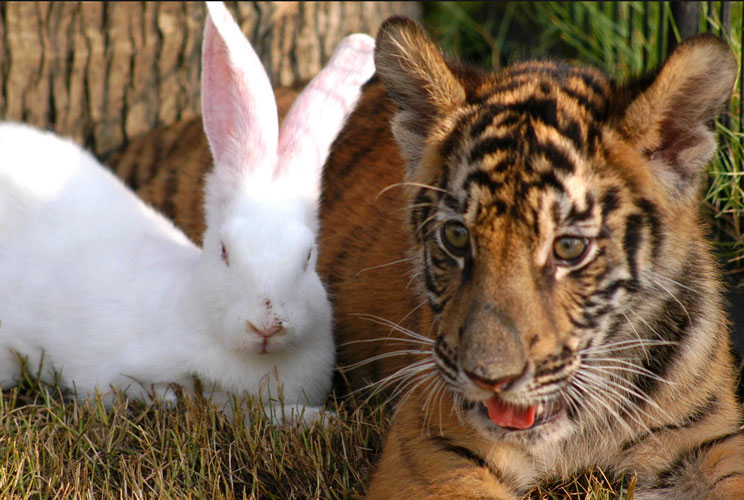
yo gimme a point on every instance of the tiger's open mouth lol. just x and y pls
(516, 417)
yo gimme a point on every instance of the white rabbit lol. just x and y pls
(97, 286)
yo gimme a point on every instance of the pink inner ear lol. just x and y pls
(238, 104)
(320, 111)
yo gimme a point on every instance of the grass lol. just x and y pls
(55, 448)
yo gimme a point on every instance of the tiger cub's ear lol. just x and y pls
(418, 80)
(671, 121)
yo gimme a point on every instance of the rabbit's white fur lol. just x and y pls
(97, 286)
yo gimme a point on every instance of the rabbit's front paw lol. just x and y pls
(291, 415)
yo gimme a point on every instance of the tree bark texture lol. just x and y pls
(105, 72)
(686, 16)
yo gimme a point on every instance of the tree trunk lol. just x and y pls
(686, 16)
(104, 72)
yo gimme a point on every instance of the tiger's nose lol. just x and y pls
(267, 331)
(492, 385)
(500, 384)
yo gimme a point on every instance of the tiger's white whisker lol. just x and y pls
(385, 340)
(627, 366)
(626, 345)
(628, 390)
(394, 326)
(400, 261)
(414, 184)
(647, 325)
(674, 282)
(406, 371)
(621, 401)
(409, 391)
(385, 355)
(689, 319)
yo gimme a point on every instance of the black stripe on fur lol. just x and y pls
(445, 444)
(665, 479)
(694, 417)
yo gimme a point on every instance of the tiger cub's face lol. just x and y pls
(517, 251)
(553, 220)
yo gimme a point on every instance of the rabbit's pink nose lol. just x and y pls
(268, 331)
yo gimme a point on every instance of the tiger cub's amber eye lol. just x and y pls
(570, 248)
(456, 237)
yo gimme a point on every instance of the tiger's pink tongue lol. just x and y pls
(505, 415)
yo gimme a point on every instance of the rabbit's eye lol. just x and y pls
(225, 256)
(309, 256)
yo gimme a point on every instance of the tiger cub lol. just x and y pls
(521, 253)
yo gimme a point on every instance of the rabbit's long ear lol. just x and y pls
(238, 108)
(319, 112)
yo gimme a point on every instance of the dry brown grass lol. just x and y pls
(54, 448)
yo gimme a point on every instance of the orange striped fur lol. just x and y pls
(519, 256)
